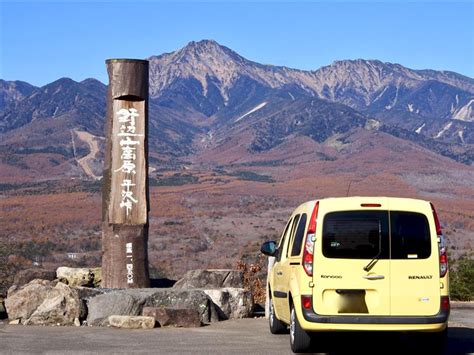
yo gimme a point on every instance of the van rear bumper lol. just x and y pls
(310, 316)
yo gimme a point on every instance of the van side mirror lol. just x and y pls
(269, 248)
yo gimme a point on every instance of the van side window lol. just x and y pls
(410, 235)
(292, 235)
(296, 250)
(283, 239)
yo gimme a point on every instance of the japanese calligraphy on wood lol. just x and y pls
(128, 164)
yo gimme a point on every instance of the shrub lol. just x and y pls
(461, 278)
(7, 270)
(254, 278)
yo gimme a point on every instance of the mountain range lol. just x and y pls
(211, 106)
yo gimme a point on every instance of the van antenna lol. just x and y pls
(349, 188)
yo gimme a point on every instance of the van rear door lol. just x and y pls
(351, 272)
(414, 280)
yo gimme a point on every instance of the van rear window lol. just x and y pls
(410, 235)
(356, 235)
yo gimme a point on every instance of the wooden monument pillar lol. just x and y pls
(125, 202)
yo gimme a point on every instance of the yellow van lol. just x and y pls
(359, 264)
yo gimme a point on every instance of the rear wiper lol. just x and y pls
(372, 263)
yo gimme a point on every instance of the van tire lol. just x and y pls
(300, 340)
(437, 342)
(276, 325)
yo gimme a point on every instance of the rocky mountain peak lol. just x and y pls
(63, 98)
(201, 61)
(368, 75)
(12, 92)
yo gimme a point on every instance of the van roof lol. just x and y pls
(357, 200)
(374, 198)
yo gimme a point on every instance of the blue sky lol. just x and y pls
(43, 41)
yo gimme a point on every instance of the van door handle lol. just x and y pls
(279, 273)
(373, 277)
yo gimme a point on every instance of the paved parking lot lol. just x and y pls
(244, 336)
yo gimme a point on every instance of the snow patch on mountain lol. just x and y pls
(445, 128)
(465, 113)
(395, 99)
(256, 108)
(418, 130)
(381, 94)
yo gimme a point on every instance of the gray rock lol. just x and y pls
(193, 299)
(42, 302)
(25, 276)
(131, 302)
(174, 317)
(131, 322)
(232, 303)
(116, 302)
(211, 279)
(78, 276)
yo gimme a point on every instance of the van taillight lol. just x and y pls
(443, 257)
(309, 243)
(445, 306)
(306, 301)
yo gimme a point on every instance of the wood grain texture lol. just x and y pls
(125, 235)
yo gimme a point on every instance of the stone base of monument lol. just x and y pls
(132, 322)
(44, 302)
(174, 317)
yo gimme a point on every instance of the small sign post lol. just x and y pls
(125, 202)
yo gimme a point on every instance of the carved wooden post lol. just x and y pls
(125, 203)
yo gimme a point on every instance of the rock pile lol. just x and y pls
(200, 297)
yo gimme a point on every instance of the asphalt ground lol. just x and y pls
(243, 336)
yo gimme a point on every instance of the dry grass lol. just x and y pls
(219, 219)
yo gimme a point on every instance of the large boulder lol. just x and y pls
(25, 276)
(193, 299)
(116, 302)
(43, 302)
(88, 277)
(231, 303)
(174, 317)
(219, 278)
(131, 302)
(131, 322)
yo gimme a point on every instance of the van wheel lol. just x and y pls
(300, 340)
(276, 325)
(437, 342)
